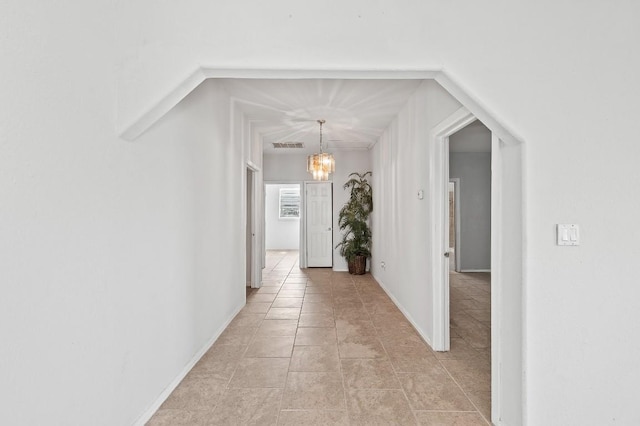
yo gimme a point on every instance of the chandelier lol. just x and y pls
(320, 165)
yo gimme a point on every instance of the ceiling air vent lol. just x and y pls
(288, 145)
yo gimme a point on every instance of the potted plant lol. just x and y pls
(355, 246)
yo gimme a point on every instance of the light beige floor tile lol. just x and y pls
(356, 346)
(482, 315)
(296, 288)
(459, 349)
(355, 327)
(411, 359)
(318, 289)
(347, 301)
(277, 328)
(346, 297)
(270, 347)
(236, 336)
(220, 360)
(246, 319)
(177, 417)
(369, 374)
(197, 392)
(267, 290)
(466, 304)
(435, 418)
(317, 307)
(315, 359)
(478, 335)
(471, 375)
(434, 390)
(323, 281)
(287, 302)
(318, 298)
(283, 314)
(351, 313)
(291, 279)
(401, 338)
(313, 418)
(483, 298)
(318, 319)
(379, 407)
(291, 293)
(247, 407)
(314, 391)
(482, 400)
(453, 333)
(316, 336)
(256, 308)
(260, 373)
(393, 322)
(263, 297)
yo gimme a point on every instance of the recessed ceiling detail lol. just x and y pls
(357, 111)
(279, 145)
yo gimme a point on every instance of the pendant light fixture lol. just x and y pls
(320, 165)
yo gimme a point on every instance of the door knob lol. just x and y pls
(328, 229)
(446, 254)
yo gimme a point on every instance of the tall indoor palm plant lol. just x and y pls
(355, 246)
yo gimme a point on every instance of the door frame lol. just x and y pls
(508, 320)
(257, 241)
(456, 215)
(439, 138)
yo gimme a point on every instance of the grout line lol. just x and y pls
(286, 381)
(344, 385)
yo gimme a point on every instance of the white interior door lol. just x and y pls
(319, 218)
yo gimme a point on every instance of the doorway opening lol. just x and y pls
(469, 224)
(502, 251)
(282, 215)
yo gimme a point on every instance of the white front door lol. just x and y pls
(319, 217)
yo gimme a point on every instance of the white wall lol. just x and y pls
(474, 171)
(280, 234)
(113, 276)
(81, 208)
(401, 222)
(293, 167)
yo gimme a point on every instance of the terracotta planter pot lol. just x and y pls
(358, 265)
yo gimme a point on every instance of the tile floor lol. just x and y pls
(316, 347)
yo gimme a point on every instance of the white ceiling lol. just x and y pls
(356, 111)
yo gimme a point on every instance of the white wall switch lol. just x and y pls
(568, 234)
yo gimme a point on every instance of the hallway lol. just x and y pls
(317, 347)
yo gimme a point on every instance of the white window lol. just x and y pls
(289, 203)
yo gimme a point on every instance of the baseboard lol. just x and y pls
(146, 416)
(475, 270)
(344, 270)
(404, 312)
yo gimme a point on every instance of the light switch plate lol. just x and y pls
(568, 234)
